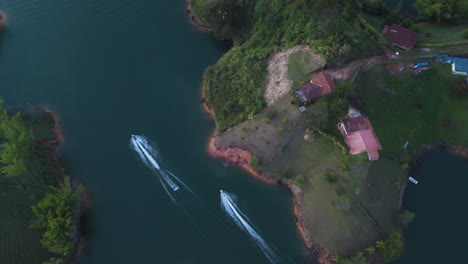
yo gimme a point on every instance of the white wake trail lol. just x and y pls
(149, 155)
(229, 206)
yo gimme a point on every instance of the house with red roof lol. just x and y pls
(320, 84)
(401, 37)
(360, 136)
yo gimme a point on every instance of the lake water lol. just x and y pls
(437, 233)
(112, 68)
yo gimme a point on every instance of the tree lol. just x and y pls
(391, 248)
(442, 10)
(406, 217)
(370, 250)
(17, 144)
(317, 115)
(55, 213)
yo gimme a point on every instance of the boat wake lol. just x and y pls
(229, 206)
(150, 156)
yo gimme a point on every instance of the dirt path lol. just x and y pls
(348, 70)
(278, 81)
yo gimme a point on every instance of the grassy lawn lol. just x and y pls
(19, 243)
(372, 184)
(441, 33)
(421, 109)
(300, 66)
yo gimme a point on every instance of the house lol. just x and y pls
(360, 136)
(320, 84)
(401, 37)
(460, 66)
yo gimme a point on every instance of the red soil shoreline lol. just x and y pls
(242, 159)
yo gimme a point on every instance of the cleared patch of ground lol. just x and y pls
(268, 132)
(279, 82)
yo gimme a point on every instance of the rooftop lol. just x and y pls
(400, 36)
(460, 64)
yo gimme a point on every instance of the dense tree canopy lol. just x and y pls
(234, 86)
(442, 10)
(16, 144)
(55, 213)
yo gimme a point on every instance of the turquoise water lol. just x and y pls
(110, 69)
(437, 233)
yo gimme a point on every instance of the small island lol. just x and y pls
(338, 100)
(41, 205)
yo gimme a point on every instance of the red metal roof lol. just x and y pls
(325, 80)
(400, 36)
(360, 137)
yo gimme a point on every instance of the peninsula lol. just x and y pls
(336, 100)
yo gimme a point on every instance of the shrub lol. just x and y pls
(287, 173)
(428, 34)
(415, 28)
(407, 23)
(299, 181)
(279, 150)
(406, 217)
(391, 248)
(330, 177)
(255, 163)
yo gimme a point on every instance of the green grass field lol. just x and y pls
(19, 244)
(300, 66)
(441, 33)
(421, 109)
(372, 184)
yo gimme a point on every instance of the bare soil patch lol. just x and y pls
(278, 81)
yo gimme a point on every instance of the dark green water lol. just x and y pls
(438, 232)
(112, 68)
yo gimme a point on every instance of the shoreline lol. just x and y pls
(242, 158)
(85, 203)
(193, 20)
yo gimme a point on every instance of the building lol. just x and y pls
(320, 84)
(360, 136)
(460, 66)
(401, 37)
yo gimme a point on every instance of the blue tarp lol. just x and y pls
(420, 64)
